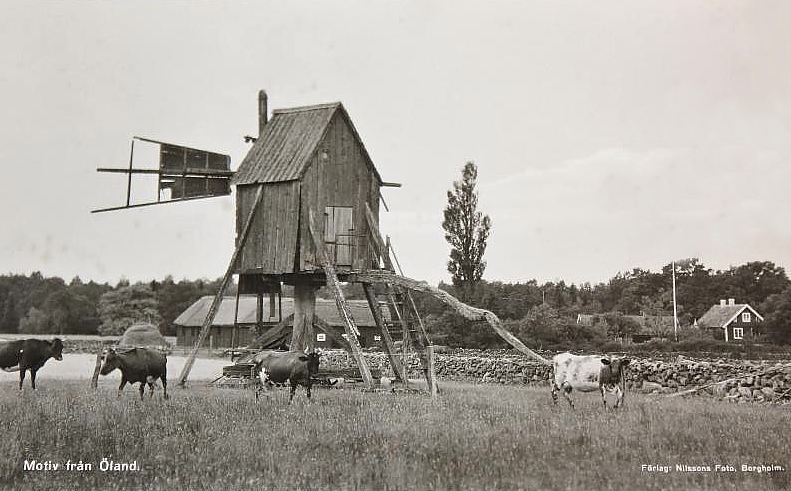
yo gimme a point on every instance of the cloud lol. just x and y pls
(617, 208)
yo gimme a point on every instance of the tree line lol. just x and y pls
(543, 314)
(36, 304)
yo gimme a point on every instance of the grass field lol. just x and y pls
(473, 437)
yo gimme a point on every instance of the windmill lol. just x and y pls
(307, 215)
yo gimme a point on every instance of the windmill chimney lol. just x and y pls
(722, 303)
(262, 111)
(731, 301)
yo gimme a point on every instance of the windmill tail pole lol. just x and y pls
(466, 311)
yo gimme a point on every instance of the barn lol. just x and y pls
(224, 333)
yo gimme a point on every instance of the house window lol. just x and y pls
(345, 336)
(321, 337)
(745, 317)
(738, 333)
(377, 338)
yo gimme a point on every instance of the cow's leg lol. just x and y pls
(142, 389)
(121, 387)
(308, 387)
(164, 386)
(566, 388)
(619, 392)
(554, 390)
(293, 390)
(21, 377)
(33, 378)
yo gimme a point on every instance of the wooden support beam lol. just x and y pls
(304, 310)
(431, 376)
(343, 309)
(398, 367)
(466, 311)
(272, 333)
(215, 304)
(95, 376)
(327, 329)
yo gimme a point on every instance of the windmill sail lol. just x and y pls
(183, 173)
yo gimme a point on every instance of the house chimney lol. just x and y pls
(262, 111)
(722, 303)
(731, 301)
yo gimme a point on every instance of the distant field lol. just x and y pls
(80, 366)
(472, 437)
(73, 337)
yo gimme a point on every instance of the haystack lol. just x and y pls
(143, 336)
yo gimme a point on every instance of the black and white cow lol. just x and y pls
(29, 354)
(278, 367)
(587, 374)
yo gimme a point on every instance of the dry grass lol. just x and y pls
(471, 438)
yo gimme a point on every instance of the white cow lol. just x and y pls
(587, 374)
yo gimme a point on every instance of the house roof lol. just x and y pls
(288, 141)
(195, 314)
(722, 315)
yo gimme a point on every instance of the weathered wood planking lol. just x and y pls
(272, 245)
(338, 175)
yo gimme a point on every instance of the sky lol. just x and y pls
(608, 135)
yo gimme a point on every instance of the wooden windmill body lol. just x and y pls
(307, 215)
(318, 191)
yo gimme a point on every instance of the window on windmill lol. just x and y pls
(321, 337)
(745, 317)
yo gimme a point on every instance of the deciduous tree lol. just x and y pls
(466, 230)
(126, 306)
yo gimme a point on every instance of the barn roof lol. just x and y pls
(195, 314)
(287, 143)
(721, 315)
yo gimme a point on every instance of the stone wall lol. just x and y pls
(762, 380)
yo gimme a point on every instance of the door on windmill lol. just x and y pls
(338, 234)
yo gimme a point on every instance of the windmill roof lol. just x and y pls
(195, 314)
(721, 315)
(288, 141)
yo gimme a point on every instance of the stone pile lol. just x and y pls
(732, 380)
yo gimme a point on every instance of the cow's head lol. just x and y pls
(612, 370)
(313, 362)
(56, 349)
(111, 362)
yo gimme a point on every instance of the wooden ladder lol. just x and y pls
(403, 311)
